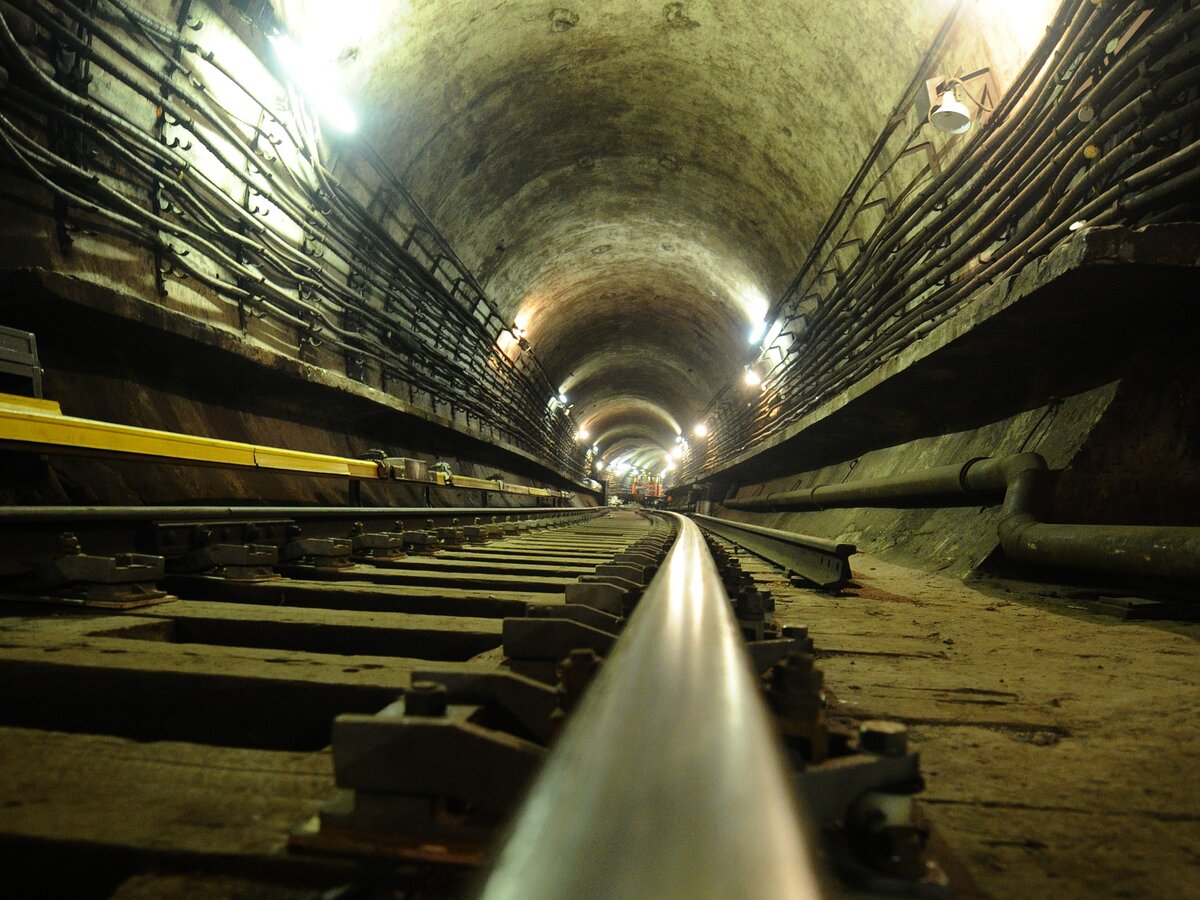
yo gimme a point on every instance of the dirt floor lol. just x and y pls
(1061, 748)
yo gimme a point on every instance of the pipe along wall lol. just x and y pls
(1020, 484)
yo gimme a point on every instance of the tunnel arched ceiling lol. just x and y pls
(633, 182)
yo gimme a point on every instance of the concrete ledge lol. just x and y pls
(1059, 327)
(72, 315)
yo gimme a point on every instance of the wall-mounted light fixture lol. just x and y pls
(519, 335)
(752, 377)
(701, 430)
(938, 102)
(314, 82)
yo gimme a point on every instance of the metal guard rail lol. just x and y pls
(825, 563)
(669, 779)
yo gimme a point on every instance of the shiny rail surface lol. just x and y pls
(668, 781)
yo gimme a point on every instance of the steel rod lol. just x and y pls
(668, 780)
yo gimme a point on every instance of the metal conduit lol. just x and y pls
(668, 781)
(1138, 551)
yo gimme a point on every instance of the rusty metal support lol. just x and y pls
(668, 780)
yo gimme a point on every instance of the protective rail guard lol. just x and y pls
(825, 563)
(40, 424)
(668, 780)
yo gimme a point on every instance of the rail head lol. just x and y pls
(669, 779)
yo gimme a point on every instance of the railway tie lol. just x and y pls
(388, 686)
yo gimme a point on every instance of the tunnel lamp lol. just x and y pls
(1076, 225)
(678, 452)
(314, 83)
(758, 332)
(599, 465)
(700, 430)
(949, 114)
(562, 398)
(582, 434)
(752, 377)
(938, 99)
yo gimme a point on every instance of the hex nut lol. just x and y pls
(426, 698)
(883, 737)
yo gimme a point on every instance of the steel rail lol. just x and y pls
(668, 780)
(32, 514)
(825, 563)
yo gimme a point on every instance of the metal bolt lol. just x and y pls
(70, 543)
(426, 698)
(883, 737)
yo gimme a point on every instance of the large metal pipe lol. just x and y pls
(1019, 481)
(976, 481)
(669, 780)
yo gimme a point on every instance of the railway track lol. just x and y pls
(282, 701)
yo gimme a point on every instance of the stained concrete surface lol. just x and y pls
(1061, 749)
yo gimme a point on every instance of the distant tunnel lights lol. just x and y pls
(314, 82)
(753, 378)
(700, 430)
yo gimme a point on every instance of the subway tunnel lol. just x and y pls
(336, 337)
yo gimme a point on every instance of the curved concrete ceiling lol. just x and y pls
(633, 182)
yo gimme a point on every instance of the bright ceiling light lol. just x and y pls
(758, 332)
(316, 83)
(562, 398)
(753, 378)
(599, 465)
(677, 453)
(582, 434)
(700, 430)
